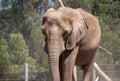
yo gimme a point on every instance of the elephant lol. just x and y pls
(72, 37)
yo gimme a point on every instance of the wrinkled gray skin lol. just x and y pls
(72, 37)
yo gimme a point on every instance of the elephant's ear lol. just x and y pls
(79, 29)
(89, 19)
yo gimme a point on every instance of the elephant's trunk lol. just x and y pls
(54, 52)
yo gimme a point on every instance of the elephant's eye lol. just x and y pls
(44, 19)
(65, 34)
(50, 23)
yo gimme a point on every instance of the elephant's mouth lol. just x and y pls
(46, 48)
(65, 53)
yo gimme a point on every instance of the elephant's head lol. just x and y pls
(63, 29)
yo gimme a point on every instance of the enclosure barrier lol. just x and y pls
(24, 73)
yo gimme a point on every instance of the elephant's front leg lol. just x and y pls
(69, 65)
(87, 69)
(61, 68)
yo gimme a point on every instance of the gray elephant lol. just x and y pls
(72, 37)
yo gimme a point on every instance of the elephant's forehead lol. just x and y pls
(53, 15)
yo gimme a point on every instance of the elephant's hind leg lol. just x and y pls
(87, 72)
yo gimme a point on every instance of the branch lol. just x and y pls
(97, 78)
(102, 74)
(61, 3)
(105, 50)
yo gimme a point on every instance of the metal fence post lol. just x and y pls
(93, 75)
(26, 72)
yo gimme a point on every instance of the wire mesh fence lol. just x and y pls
(18, 73)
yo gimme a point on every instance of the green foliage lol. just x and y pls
(38, 46)
(111, 41)
(18, 49)
(106, 7)
(5, 3)
(4, 55)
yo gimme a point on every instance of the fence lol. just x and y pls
(113, 71)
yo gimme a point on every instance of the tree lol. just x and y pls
(18, 50)
(4, 56)
(38, 46)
